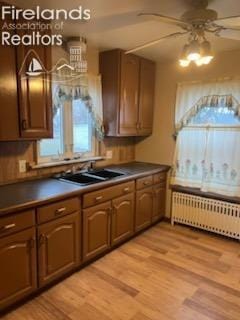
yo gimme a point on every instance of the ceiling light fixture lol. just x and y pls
(183, 61)
(196, 51)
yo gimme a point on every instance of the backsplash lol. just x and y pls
(11, 152)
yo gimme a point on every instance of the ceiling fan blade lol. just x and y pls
(152, 43)
(165, 19)
(229, 34)
(231, 22)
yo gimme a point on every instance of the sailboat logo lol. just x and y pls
(34, 68)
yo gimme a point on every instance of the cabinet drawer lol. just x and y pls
(57, 209)
(102, 195)
(144, 182)
(17, 222)
(159, 178)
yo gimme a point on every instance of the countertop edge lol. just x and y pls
(82, 190)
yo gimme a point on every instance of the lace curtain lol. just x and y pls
(88, 88)
(207, 156)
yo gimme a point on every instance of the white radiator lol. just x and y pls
(208, 214)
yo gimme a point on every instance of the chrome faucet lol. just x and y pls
(91, 166)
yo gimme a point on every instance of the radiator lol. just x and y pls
(213, 215)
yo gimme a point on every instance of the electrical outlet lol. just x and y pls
(22, 164)
(109, 154)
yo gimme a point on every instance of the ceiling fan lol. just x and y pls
(196, 23)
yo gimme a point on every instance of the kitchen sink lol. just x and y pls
(106, 174)
(90, 177)
(81, 178)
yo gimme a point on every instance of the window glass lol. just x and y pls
(82, 128)
(53, 147)
(215, 116)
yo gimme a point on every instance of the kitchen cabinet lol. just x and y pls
(35, 97)
(51, 239)
(123, 211)
(18, 270)
(59, 247)
(159, 195)
(144, 208)
(128, 83)
(26, 100)
(146, 96)
(128, 112)
(9, 122)
(96, 230)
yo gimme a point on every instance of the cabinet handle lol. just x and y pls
(60, 210)
(140, 126)
(110, 210)
(24, 124)
(136, 97)
(41, 239)
(126, 190)
(98, 198)
(8, 227)
(31, 243)
(124, 95)
(146, 183)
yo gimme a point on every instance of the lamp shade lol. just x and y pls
(194, 51)
(206, 52)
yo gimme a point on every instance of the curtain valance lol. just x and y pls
(67, 87)
(191, 97)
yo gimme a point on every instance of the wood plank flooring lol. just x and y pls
(166, 273)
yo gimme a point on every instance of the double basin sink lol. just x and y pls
(91, 177)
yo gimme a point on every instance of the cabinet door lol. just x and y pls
(59, 247)
(129, 94)
(159, 195)
(144, 208)
(122, 218)
(146, 97)
(17, 267)
(96, 230)
(35, 97)
(9, 122)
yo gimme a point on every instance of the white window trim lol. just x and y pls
(68, 146)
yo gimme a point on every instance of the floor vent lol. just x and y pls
(208, 214)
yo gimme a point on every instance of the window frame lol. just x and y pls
(67, 140)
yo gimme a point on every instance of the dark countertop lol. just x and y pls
(20, 196)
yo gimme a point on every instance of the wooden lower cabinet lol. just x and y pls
(96, 230)
(123, 210)
(18, 271)
(144, 208)
(159, 202)
(59, 247)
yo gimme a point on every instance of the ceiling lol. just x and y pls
(114, 24)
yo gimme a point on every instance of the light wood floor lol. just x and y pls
(165, 273)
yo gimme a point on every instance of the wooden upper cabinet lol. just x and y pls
(123, 213)
(18, 270)
(9, 122)
(146, 96)
(128, 119)
(96, 230)
(128, 83)
(25, 100)
(35, 97)
(59, 247)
